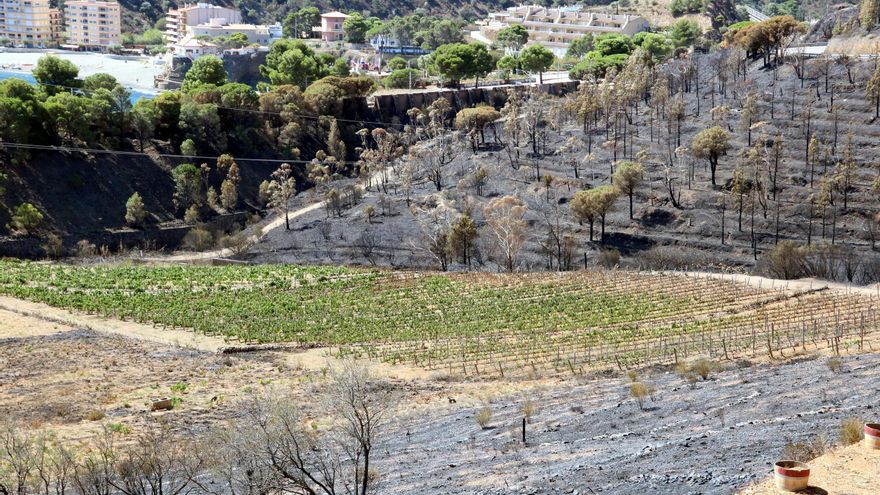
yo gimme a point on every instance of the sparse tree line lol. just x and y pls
(271, 447)
(660, 103)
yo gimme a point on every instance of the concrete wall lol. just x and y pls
(393, 107)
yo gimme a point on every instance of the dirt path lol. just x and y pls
(850, 470)
(70, 319)
(801, 284)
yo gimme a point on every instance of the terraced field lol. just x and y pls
(465, 323)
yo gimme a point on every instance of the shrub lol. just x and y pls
(483, 416)
(397, 63)
(134, 211)
(639, 391)
(703, 368)
(54, 247)
(95, 415)
(192, 215)
(851, 431)
(529, 408)
(25, 219)
(834, 364)
(786, 261)
(805, 451)
(84, 248)
(609, 258)
(198, 239)
(402, 78)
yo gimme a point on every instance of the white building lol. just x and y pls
(179, 20)
(194, 48)
(256, 33)
(556, 28)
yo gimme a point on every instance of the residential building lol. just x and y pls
(26, 22)
(331, 26)
(388, 44)
(556, 28)
(260, 34)
(93, 23)
(56, 24)
(194, 48)
(178, 21)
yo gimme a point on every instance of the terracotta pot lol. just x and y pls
(791, 476)
(872, 436)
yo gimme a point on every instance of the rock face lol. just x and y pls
(842, 18)
(240, 68)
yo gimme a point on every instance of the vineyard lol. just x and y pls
(475, 324)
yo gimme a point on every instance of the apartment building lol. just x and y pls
(556, 28)
(56, 23)
(26, 22)
(93, 23)
(179, 21)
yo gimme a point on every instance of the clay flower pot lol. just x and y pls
(791, 476)
(872, 436)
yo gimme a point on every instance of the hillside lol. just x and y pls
(387, 229)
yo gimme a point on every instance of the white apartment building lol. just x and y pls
(556, 28)
(26, 22)
(178, 21)
(93, 23)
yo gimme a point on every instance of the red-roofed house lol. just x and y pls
(331, 26)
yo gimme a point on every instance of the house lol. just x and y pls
(192, 47)
(331, 26)
(556, 28)
(384, 43)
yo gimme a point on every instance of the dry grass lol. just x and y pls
(806, 451)
(529, 408)
(834, 364)
(851, 431)
(484, 416)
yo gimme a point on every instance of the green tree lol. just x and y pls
(397, 63)
(403, 78)
(356, 27)
(26, 218)
(301, 22)
(73, 115)
(99, 81)
(580, 46)
(513, 37)
(594, 204)
(201, 123)
(538, 59)
(292, 62)
(205, 70)
(282, 188)
(627, 178)
(462, 236)
(135, 213)
(453, 62)
(684, 32)
(613, 44)
(656, 45)
(481, 62)
(187, 185)
(710, 144)
(507, 65)
(56, 75)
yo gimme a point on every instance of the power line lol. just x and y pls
(42, 147)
